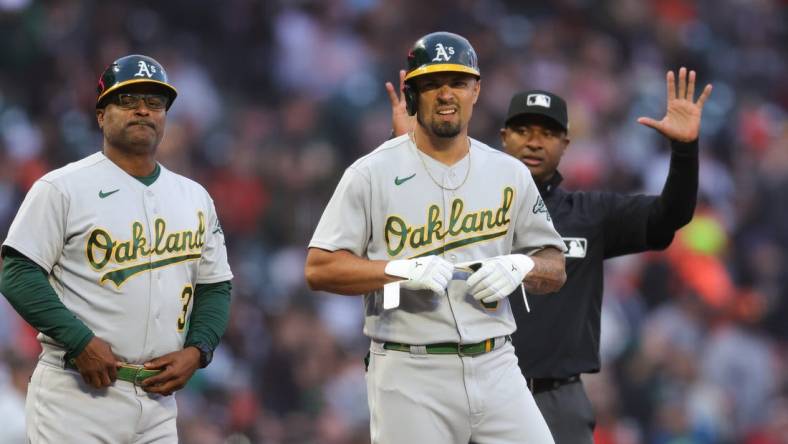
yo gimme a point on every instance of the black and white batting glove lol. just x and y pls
(498, 277)
(425, 273)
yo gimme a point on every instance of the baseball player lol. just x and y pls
(431, 218)
(121, 266)
(594, 226)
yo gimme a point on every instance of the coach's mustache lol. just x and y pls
(142, 122)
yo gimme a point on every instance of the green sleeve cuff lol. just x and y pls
(79, 346)
(27, 289)
(210, 314)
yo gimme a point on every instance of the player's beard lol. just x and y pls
(446, 129)
(441, 129)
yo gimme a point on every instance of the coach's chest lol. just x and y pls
(122, 228)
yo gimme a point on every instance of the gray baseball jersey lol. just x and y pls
(398, 203)
(123, 257)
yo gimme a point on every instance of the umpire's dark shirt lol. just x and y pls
(560, 336)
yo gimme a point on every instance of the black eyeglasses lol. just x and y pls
(132, 101)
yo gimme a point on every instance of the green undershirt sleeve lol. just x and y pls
(27, 288)
(210, 314)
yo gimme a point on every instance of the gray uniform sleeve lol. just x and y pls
(533, 228)
(213, 262)
(346, 222)
(39, 228)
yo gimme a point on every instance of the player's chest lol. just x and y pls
(419, 197)
(426, 217)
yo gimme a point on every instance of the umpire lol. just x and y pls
(559, 338)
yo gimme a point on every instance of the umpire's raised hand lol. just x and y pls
(682, 119)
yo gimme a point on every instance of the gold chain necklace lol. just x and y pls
(423, 163)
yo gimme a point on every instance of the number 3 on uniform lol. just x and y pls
(186, 297)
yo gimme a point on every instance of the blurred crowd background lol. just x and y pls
(277, 97)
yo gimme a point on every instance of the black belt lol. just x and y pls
(539, 385)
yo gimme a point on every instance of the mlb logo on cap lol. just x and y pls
(538, 100)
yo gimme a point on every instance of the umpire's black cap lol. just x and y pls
(541, 103)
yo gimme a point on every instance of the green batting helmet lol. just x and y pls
(438, 52)
(130, 70)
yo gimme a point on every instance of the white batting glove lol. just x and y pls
(499, 276)
(425, 273)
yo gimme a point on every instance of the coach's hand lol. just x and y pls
(682, 119)
(177, 367)
(425, 273)
(97, 364)
(401, 122)
(499, 276)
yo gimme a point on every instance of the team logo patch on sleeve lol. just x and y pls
(540, 207)
(575, 247)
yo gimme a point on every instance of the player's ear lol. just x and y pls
(502, 133)
(100, 117)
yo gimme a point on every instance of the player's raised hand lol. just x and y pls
(401, 122)
(177, 368)
(97, 364)
(682, 119)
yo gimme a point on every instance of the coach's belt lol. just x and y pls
(539, 385)
(132, 373)
(450, 348)
(135, 374)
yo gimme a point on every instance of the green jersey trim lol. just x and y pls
(461, 243)
(149, 179)
(119, 276)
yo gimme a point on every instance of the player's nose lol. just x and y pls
(444, 92)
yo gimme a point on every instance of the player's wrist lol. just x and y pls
(203, 355)
(79, 347)
(399, 268)
(523, 262)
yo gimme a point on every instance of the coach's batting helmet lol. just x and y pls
(133, 69)
(438, 52)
